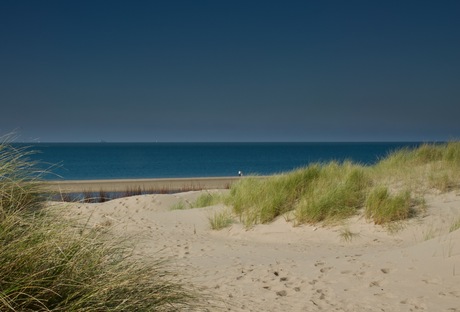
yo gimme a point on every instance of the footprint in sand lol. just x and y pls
(319, 263)
(281, 293)
(321, 294)
(455, 293)
(374, 284)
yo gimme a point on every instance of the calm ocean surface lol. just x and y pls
(88, 161)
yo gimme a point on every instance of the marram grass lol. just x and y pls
(181, 205)
(337, 194)
(347, 235)
(49, 264)
(431, 166)
(46, 267)
(205, 200)
(262, 200)
(315, 193)
(455, 225)
(220, 220)
(335, 191)
(383, 207)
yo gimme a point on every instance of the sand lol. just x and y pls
(279, 267)
(120, 185)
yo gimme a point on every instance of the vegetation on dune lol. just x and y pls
(382, 207)
(337, 193)
(334, 191)
(20, 190)
(205, 200)
(316, 193)
(221, 220)
(46, 267)
(181, 205)
(261, 200)
(455, 225)
(429, 166)
(49, 264)
(347, 235)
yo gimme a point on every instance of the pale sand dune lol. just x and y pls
(278, 267)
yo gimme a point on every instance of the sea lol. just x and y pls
(92, 161)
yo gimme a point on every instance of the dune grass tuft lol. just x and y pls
(337, 194)
(220, 220)
(20, 189)
(455, 225)
(181, 205)
(44, 266)
(262, 200)
(205, 200)
(48, 263)
(347, 235)
(382, 207)
(431, 166)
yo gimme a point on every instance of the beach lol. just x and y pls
(121, 185)
(282, 267)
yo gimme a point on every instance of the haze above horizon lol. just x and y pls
(214, 71)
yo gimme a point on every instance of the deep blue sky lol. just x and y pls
(230, 70)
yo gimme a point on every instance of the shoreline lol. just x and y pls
(119, 185)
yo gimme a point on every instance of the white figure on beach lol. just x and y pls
(240, 173)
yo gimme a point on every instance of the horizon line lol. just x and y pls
(231, 142)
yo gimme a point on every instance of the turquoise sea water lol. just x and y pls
(75, 161)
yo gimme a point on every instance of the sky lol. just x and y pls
(238, 71)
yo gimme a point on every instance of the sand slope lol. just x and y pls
(278, 267)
